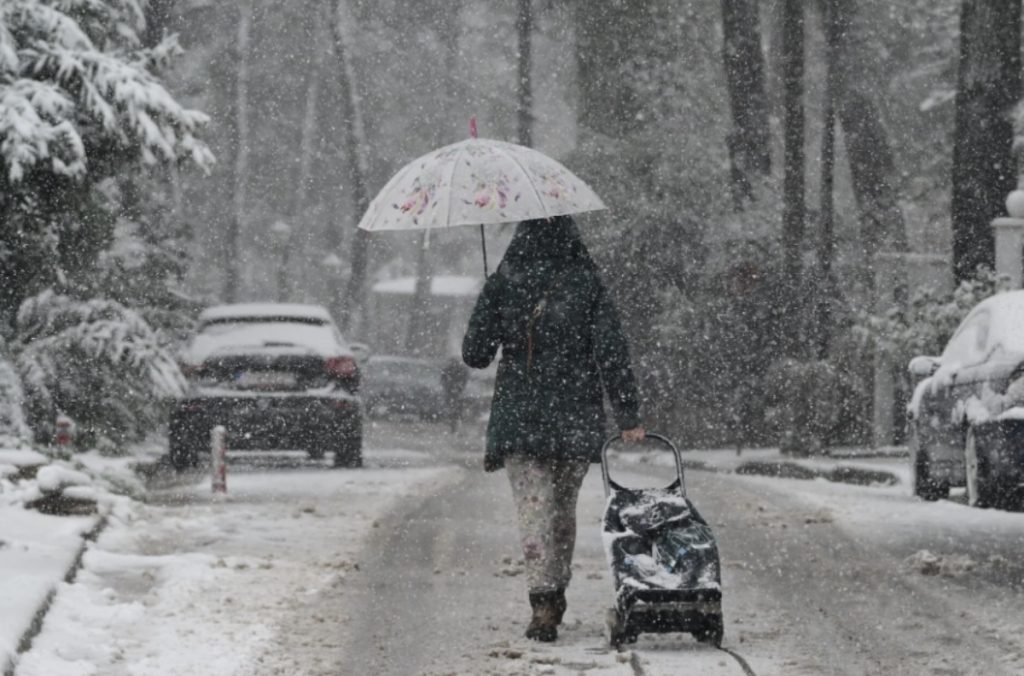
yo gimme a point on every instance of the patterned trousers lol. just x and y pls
(545, 493)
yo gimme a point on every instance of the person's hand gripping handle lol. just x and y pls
(634, 435)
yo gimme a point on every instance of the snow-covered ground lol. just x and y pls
(194, 583)
(411, 567)
(37, 550)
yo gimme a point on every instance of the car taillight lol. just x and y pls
(344, 369)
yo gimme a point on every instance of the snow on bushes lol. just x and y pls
(928, 321)
(97, 361)
(13, 428)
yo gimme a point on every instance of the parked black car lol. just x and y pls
(396, 386)
(277, 376)
(967, 414)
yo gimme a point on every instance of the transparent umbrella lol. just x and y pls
(478, 182)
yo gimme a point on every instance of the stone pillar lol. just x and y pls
(1009, 235)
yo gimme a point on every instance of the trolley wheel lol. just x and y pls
(712, 632)
(617, 633)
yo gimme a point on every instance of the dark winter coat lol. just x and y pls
(560, 339)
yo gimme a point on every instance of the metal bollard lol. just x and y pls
(219, 459)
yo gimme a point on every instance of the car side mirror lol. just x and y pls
(922, 367)
(360, 351)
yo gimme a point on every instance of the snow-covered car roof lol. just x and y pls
(1006, 330)
(298, 311)
(440, 285)
(248, 328)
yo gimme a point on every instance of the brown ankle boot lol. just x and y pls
(544, 623)
(560, 606)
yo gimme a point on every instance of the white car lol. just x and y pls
(277, 376)
(967, 412)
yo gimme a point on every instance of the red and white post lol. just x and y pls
(219, 459)
(64, 431)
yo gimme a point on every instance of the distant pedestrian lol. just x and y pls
(562, 347)
(454, 377)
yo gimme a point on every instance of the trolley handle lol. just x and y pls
(650, 435)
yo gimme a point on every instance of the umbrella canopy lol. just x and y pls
(476, 182)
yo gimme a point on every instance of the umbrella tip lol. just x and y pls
(472, 127)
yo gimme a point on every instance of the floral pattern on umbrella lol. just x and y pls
(478, 181)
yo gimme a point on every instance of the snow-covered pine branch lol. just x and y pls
(74, 68)
(98, 361)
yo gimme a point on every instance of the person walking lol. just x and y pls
(562, 350)
(454, 377)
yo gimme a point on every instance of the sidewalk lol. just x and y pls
(862, 466)
(49, 510)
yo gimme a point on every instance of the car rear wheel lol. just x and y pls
(926, 486)
(184, 454)
(348, 451)
(183, 443)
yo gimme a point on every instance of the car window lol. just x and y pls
(227, 336)
(969, 345)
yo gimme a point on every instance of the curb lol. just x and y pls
(845, 474)
(36, 625)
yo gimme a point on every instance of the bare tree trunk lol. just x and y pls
(872, 165)
(159, 14)
(794, 208)
(355, 294)
(307, 151)
(414, 340)
(749, 142)
(449, 30)
(608, 34)
(826, 204)
(524, 107)
(233, 253)
(989, 85)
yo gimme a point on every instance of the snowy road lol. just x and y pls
(411, 567)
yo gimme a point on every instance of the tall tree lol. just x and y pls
(63, 150)
(989, 85)
(794, 207)
(870, 155)
(826, 203)
(355, 293)
(750, 141)
(159, 14)
(609, 35)
(232, 246)
(300, 206)
(524, 63)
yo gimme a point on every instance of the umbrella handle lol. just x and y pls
(483, 245)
